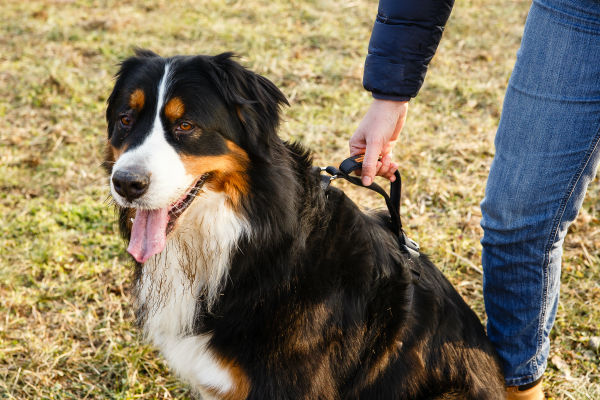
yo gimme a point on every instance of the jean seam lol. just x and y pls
(575, 20)
(524, 380)
(552, 239)
(555, 98)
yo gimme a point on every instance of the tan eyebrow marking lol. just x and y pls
(137, 99)
(174, 109)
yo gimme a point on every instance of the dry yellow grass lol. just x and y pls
(65, 320)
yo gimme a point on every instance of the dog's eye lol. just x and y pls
(126, 120)
(185, 126)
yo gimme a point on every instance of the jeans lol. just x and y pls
(546, 155)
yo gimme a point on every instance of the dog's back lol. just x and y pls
(252, 280)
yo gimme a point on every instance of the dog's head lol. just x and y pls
(180, 125)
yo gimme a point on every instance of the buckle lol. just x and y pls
(410, 247)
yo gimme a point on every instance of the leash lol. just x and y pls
(407, 245)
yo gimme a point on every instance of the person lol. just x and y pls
(546, 154)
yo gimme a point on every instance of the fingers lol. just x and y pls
(392, 177)
(388, 175)
(388, 167)
(369, 167)
(358, 142)
(384, 167)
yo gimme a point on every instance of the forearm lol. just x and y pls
(405, 37)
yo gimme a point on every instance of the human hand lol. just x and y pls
(376, 135)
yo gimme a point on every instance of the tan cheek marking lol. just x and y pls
(117, 152)
(111, 155)
(241, 382)
(174, 109)
(137, 99)
(228, 171)
(109, 158)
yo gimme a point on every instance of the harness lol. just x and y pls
(407, 245)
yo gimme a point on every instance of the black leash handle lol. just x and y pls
(392, 201)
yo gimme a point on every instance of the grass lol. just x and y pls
(66, 327)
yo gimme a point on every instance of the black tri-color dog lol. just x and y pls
(252, 280)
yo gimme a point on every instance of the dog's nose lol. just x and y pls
(130, 184)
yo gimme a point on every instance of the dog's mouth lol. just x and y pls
(177, 208)
(151, 227)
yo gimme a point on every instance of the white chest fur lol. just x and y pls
(193, 266)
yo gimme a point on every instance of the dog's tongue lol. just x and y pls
(148, 233)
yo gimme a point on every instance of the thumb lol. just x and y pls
(369, 168)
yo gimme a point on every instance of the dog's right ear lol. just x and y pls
(126, 67)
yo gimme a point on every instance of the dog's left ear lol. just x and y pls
(256, 99)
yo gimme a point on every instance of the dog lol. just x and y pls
(252, 280)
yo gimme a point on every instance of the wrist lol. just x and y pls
(393, 107)
(391, 103)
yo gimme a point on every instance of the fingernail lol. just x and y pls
(366, 180)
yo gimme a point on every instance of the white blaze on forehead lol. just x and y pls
(155, 156)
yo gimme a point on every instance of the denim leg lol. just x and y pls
(546, 154)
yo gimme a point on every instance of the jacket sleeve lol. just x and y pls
(405, 37)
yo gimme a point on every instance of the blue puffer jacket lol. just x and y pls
(404, 39)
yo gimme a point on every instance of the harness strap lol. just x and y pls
(392, 201)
